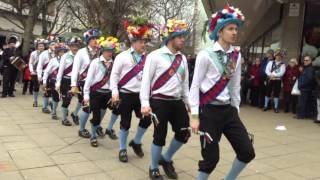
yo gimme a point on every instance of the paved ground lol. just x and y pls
(35, 147)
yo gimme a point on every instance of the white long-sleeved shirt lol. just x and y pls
(52, 67)
(156, 64)
(44, 59)
(33, 61)
(206, 74)
(81, 62)
(279, 72)
(123, 63)
(96, 73)
(65, 62)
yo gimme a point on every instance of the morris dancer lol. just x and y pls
(166, 81)
(64, 80)
(44, 59)
(96, 88)
(80, 68)
(126, 77)
(33, 63)
(216, 89)
(50, 75)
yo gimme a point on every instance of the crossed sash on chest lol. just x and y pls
(227, 70)
(105, 79)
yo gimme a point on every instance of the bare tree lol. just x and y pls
(27, 13)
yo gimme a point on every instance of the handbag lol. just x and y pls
(295, 89)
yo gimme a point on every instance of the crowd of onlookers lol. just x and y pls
(295, 87)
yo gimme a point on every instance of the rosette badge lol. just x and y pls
(109, 44)
(172, 29)
(221, 18)
(138, 28)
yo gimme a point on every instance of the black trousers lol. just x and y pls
(131, 102)
(262, 93)
(27, 84)
(306, 106)
(174, 112)
(290, 101)
(36, 85)
(98, 101)
(218, 120)
(9, 79)
(53, 91)
(65, 92)
(254, 95)
(274, 88)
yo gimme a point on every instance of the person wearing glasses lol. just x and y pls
(306, 83)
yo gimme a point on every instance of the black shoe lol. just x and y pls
(23, 93)
(66, 122)
(123, 157)
(154, 174)
(94, 142)
(111, 133)
(12, 95)
(3, 96)
(46, 111)
(35, 104)
(31, 93)
(265, 109)
(317, 121)
(85, 134)
(136, 148)
(276, 110)
(168, 168)
(100, 132)
(75, 119)
(54, 116)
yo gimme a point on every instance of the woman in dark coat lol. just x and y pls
(289, 78)
(255, 82)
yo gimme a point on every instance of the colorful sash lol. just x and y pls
(83, 75)
(45, 66)
(219, 86)
(68, 69)
(133, 72)
(104, 80)
(275, 66)
(54, 73)
(164, 78)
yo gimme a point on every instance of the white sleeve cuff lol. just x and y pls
(195, 110)
(115, 91)
(145, 103)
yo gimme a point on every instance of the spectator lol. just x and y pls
(27, 77)
(306, 84)
(316, 65)
(264, 78)
(289, 78)
(255, 82)
(244, 80)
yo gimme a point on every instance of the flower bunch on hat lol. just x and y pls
(138, 28)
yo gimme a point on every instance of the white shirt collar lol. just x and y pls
(103, 59)
(218, 47)
(166, 50)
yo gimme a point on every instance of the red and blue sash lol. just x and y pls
(133, 72)
(164, 78)
(219, 86)
(104, 80)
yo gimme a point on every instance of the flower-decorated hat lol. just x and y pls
(75, 41)
(280, 52)
(172, 29)
(221, 18)
(60, 47)
(90, 34)
(52, 39)
(109, 44)
(138, 28)
(38, 41)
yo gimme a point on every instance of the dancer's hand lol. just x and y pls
(195, 124)
(58, 88)
(146, 110)
(115, 100)
(85, 102)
